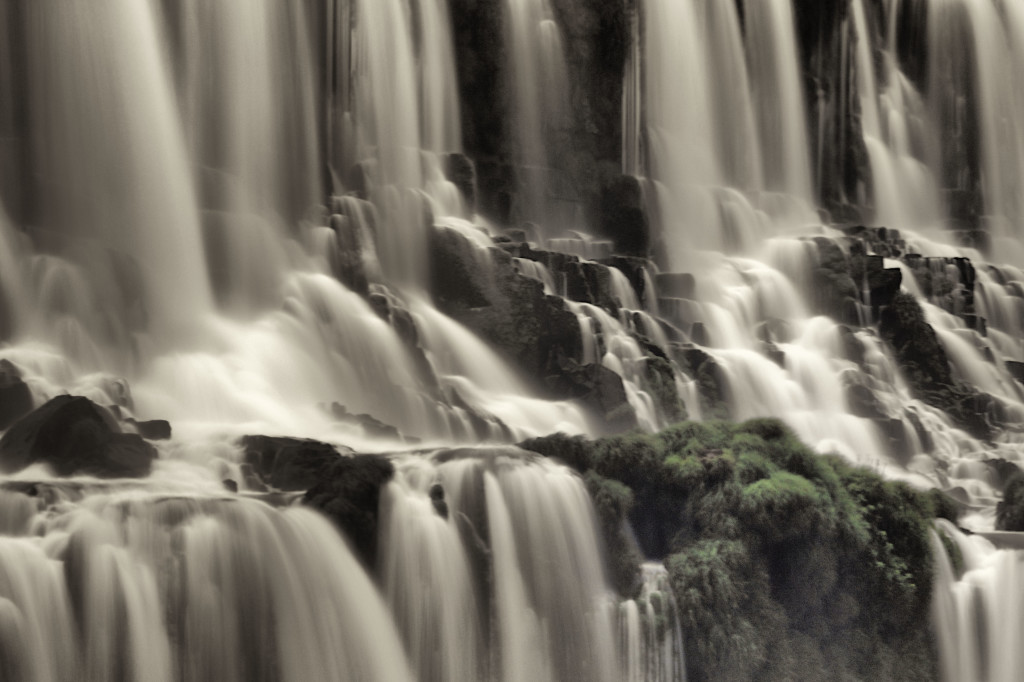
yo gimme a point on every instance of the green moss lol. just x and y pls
(785, 564)
(612, 502)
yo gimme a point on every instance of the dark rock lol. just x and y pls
(483, 290)
(773, 353)
(635, 269)
(864, 403)
(15, 395)
(661, 383)
(896, 439)
(835, 292)
(883, 285)
(1003, 471)
(348, 492)
(252, 479)
(589, 282)
(73, 436)
(437, 499)
(976, 322)
(923, 434)
(622, 217)
(917, 347)
(230, 485)
(347, 261)
(152, 429)
(1010, 510)
(371, 426)
(600, 389)
(711, 382)
(923, 362)
(460, 170)
(1016, 369)
(288, 463)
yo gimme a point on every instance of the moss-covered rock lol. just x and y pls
(785, 564)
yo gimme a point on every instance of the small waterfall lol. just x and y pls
(775, 78)
(892, 112)
(471, 541)
(649, 632)
(151, 587)
(540, 105)
(107, 139)
(975, 611)
(975, 65)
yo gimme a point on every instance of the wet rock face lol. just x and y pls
(75, 436)
(482, 290)
(15, 396)
(348, 493)
(1010, 511)
(288, 463)
(622, 217)
(924, 364)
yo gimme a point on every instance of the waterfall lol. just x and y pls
(261, 217)
(540, 104)
(478, 580)
(157, 587)
(974, 611)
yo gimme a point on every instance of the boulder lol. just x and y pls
(75, 436)
(711, 383)
(347, 260)
(924, 364)
(835, 291)
(622, 218)
(601, 390)
(1010, 510)
(589, 282)
(460, 170)
(371, 426)
(15, 395)
(1016, 370)
(288, 463)
(481, 289)
(1003, 471)
(636, 271)
(348, 492)
(661, 384)
(152, 429)
(864, 403)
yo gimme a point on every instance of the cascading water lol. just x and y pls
(540, 107)
(229, 207)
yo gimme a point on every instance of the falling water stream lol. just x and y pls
(229, 210)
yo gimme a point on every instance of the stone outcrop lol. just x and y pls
(289, 464)
(924, 364)
(74, 436)
(15, 395)
(348, 493)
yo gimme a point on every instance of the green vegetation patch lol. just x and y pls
(785, 564)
